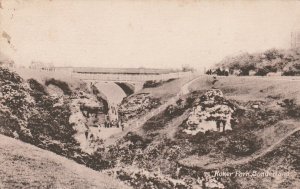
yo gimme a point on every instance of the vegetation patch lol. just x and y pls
(243, 144)
(285, 62)
(154, 83)
(60, 84)
(37, 87)
(137, 105)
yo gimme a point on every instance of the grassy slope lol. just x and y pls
(284, 156)
(283, 159)
(271, 91)
(254, 88)
(167, 90)
(26, 166)
(242, 89)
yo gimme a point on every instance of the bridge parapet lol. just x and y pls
(130, 77)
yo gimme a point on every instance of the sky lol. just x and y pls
(152, 33)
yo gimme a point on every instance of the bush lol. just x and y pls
(173, 111)
(243, 144)
(60, 84)
(52, 122)
(137, 140)
(7, 75)
(272, 60)
(292, 109)
(38, 90)
(154, 83)
(37, 87)
(8, 124)
(16, 98)
(151, 84)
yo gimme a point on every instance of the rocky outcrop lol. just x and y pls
(81, 121)
(137, 105)
(210, 112)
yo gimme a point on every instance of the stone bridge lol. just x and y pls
(129, 80)
(118, 82)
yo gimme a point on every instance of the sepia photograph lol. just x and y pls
(150, 94)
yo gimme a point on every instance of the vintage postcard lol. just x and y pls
(150, 94)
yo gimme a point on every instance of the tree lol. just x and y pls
(187, 68)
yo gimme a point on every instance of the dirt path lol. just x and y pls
(135, 124)
(216, 165)
(171, 127)
(26, 166)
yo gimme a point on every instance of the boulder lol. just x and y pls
(212, 111)
(137, 105)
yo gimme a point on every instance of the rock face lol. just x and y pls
(211, 112)
(137, 105)
(86, 111)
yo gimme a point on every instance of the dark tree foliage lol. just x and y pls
(60, 84)
(154, 83)
(272, 60)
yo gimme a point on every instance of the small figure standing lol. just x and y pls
(86, 134)
(215, 80)
(122, 125)
(99, 127)
(119, 124)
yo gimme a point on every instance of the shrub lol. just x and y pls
(8, 124)
(16, 98)
(60, 84)
(151, 84)
(272, 60)
(173, 111)
(243, 144)
(52, 122)
(7, 75)
(137, 140)
(37, 87)
(292, 109)
(38, 90)
(154, 83)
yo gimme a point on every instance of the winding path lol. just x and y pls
(246, 160)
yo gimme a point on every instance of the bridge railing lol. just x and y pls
(130, 77)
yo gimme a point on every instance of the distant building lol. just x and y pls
(295, 39)
(42, 66)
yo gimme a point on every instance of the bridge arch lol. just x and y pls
(110, 91)
(126, 87)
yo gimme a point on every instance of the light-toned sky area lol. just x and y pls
(157, 34)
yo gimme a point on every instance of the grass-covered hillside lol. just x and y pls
(177, 147)
(26, 166)
(163, 154)
(285, 61)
